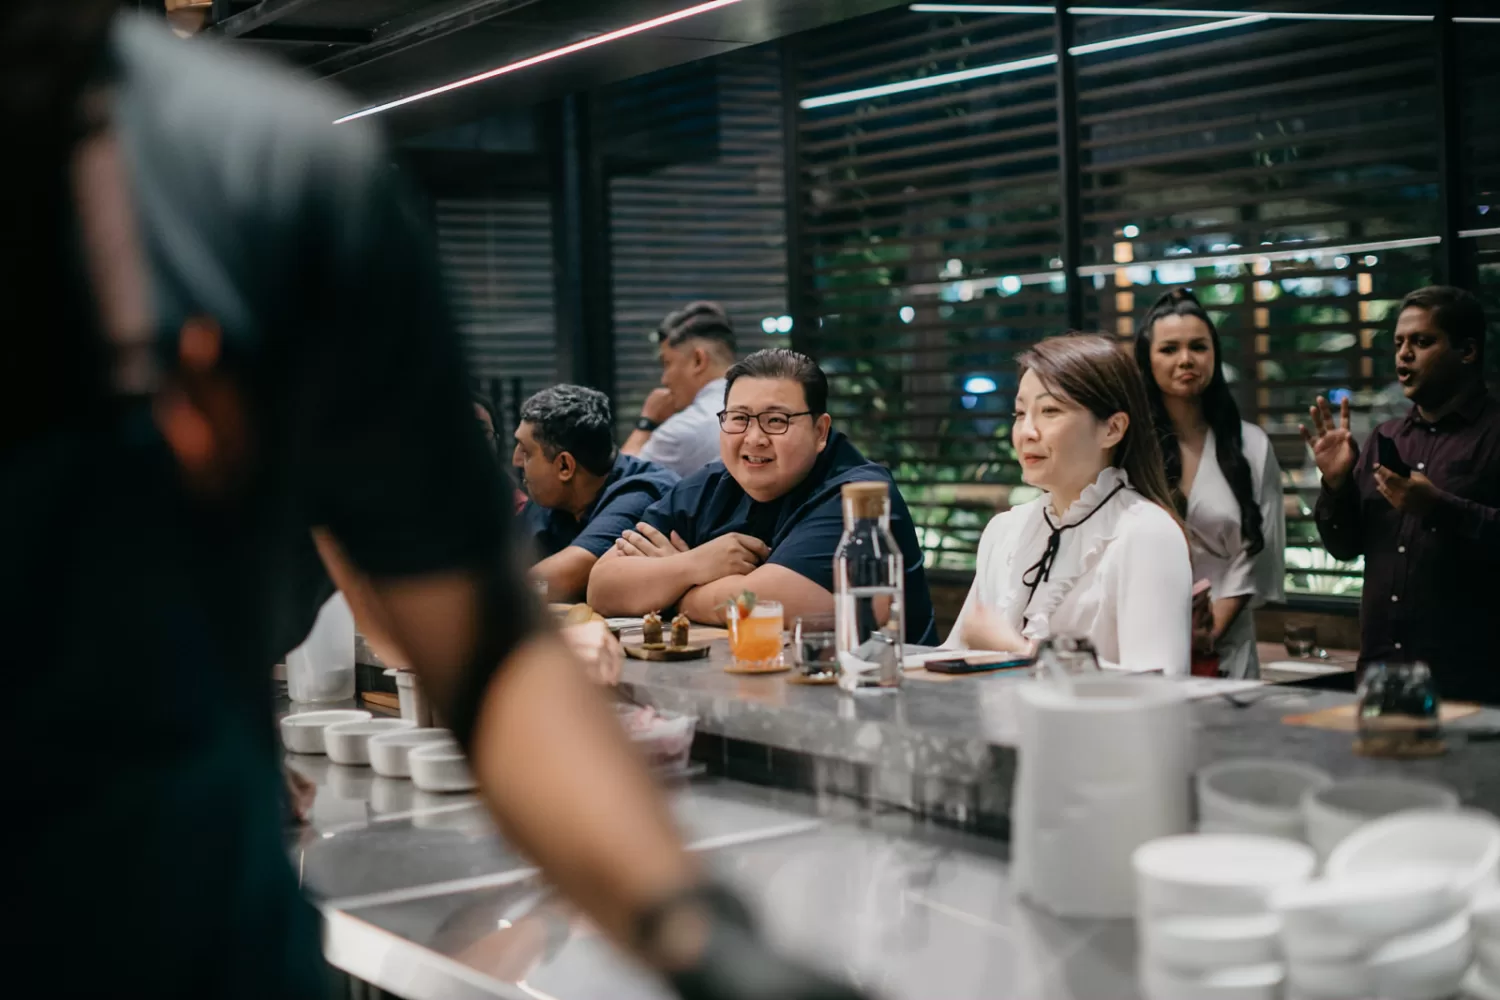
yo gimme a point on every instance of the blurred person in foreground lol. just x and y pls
(583, 492)
(1225, 472)
(679, 427)
(206, 284)
(766, 517)
(1430, 539)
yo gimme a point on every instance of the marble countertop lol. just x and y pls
(963, 730)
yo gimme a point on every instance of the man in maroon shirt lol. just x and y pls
(1431, 539)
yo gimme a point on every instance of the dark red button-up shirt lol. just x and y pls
(1432, 584)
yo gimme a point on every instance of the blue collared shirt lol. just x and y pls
(632, 486)
(802, 528)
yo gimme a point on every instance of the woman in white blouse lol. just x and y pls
(1224, 468)
(1102, 553)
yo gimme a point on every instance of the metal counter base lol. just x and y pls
(424, 901)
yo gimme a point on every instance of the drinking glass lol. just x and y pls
(1398, 711)
(1301, 639)
(756, 641)
(815, 645)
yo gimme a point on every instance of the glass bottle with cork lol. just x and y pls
(868, 591)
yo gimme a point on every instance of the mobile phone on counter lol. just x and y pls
(1389, 457)
(980, 664)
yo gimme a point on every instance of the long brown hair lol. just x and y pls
(1095, 373)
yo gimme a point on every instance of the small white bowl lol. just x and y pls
(1428, 965)
(349, 742)
(1337, 810)
(1309, 980)
(1215, 874)
(1466, 844)
(1487, 954)
(1252, 982)
(389, 751)
(1481, 984)
(1256, 796)
(440, 767)
(1485, 914)
(1344, 918)
(302, 732)
(1201, 944)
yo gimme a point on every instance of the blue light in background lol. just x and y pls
(1010, 284)
(908, 314)
(783, 324)
(1337, 396)
(969, 402)
(768, 325)
(979, 385)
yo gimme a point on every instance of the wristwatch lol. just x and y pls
(646, 424)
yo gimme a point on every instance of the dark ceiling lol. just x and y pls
(380, 50)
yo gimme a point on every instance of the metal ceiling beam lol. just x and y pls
(262, 14)
(400, 38)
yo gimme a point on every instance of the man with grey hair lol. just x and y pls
(679, 426)
(583, 493)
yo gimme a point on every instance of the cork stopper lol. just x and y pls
(865, 499)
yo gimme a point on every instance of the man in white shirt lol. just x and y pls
(679, 423)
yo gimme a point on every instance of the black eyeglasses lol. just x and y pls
(772, 421)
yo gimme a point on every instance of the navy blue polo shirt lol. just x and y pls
(802, 528)
(633, 485)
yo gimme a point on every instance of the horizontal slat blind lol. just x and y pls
(496, 255)
(1283, 169)
(929, 223)
(711, 229)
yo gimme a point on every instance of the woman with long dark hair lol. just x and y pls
(1223, 469)
(1102, 553)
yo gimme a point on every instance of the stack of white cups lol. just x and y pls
(1203, 912)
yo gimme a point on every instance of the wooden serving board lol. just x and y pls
(668, 654)
(1341, 719)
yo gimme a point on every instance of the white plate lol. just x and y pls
(1345, 918)
(1202, 944)
(1216, 874)
(1428, 965)
(1466, 843)
(302, 732)
(389, 751)
(349, 742)
(1255, 982)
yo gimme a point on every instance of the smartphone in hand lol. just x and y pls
(1389, 458)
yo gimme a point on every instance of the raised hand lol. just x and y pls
(1331, 441)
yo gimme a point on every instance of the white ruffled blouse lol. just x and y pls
(1120, 574)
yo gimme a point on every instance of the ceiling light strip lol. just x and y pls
(1470, 234)
(981, 8)
(923, 83)
(1007, 8)
(1476, 20)
(1273, 15)
(996, 69)
(1160, 36)
(1285, 254)
(566, 50)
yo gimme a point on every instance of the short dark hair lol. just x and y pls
(480, 397)
(781, 362)
(575, 419)
(700, 321)
(1455, 311)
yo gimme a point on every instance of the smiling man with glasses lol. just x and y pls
(765, 518)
